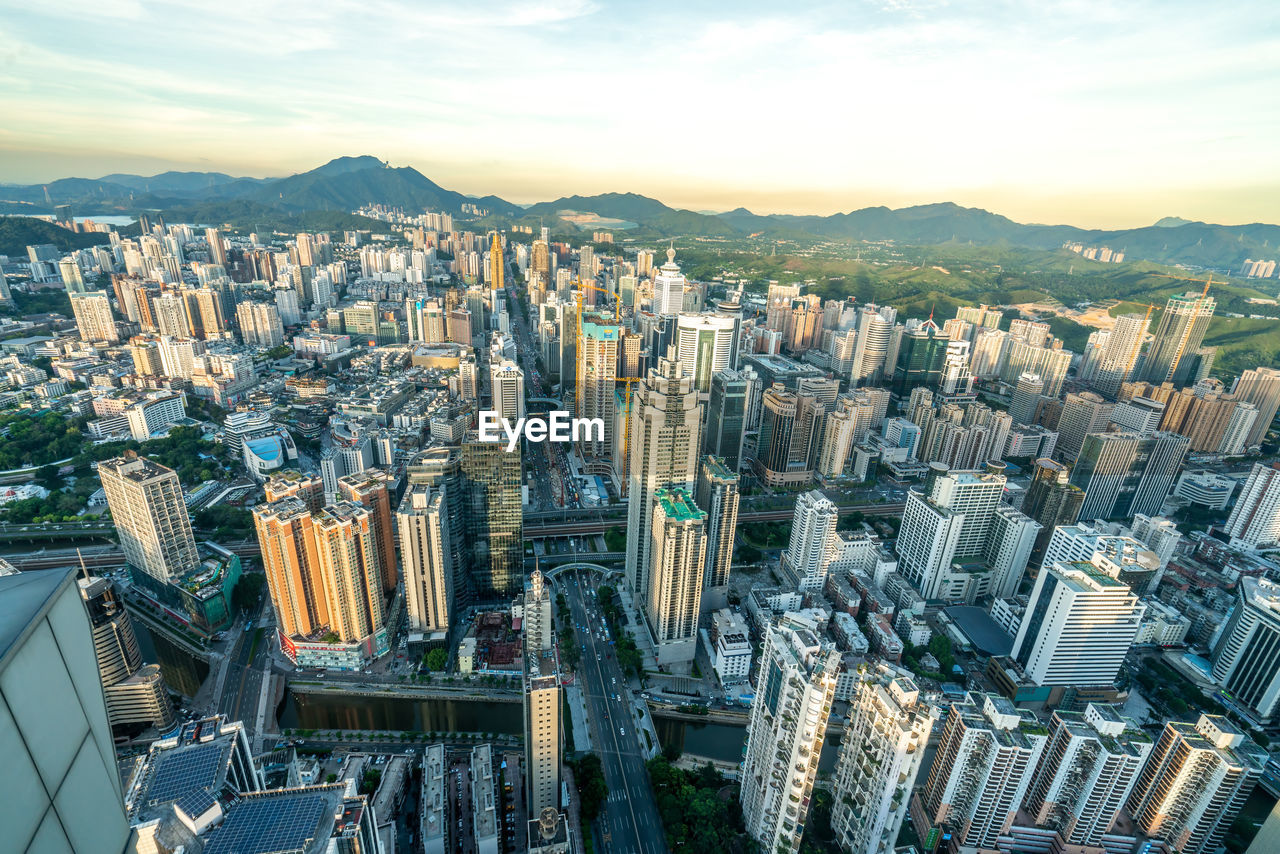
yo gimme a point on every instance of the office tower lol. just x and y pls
(668, 287)
(785, 732)
(1006, 553)
(1124, 473)
(1139, 415)
(921, 355)
(786, 447)
(1086, 772)
(150, 516)
(542, 703)
(871, 347)
(812, 543)
(982, 769)
(1261, 387)
(1115, 364)
(1082, 414)
(426, 556)
(495, 521)
(727, 414)
(1246, 656)
(135, 692)
(1254, 522)
(665, 438)
(1026, 396)
(540, 258)
(1195, 782)
(596, 382)
(717, 496)
(1052, 500)
(1077, 628)
(497, 264)
(678, 553)
(507, 383)
(1178, 335)
(956, 381)
(64, 790)
(217, 249)
(838, 436)
(705, 345)
(371, 489)
(948, 523)
(308, 488)
(94, 320)
(880, 756)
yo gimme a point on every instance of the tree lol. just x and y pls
(592, 789)
(437, 659)
(248, 590)
(48, 477)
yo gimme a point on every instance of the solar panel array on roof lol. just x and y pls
(195, 803)
(270, 825)
(185, 770)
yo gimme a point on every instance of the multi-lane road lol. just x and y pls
(630, 821)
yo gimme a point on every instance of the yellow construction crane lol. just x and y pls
(1207, 282)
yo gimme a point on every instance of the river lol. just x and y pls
(327, 711)
(183, 672)
(724, 742)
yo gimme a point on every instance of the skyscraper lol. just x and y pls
(596, 381)
(370, 488)
(1195, 782)
(1116, 362)
(1246, 657)
(922, 353)
(785, 732)
(150, 516)
(1051, 500)
(705, 345)
(982, 769)
(507, 384)
(1255, 517)
(1179, 334)
(1077, 628)
(309, 488)
(871, 347)
(542, 724)
(1026, 397)
(217, 249)
(93, 317)
(135, 692)
(668, 287)
(880, 757)
(495, 520)
(812, 544)
(1261, 387)
(1082, 414)
(665, 438)
(727, 414)
(678, 553)
(497, 264)
(1125, 473)
(1087, 770)
(426, 556)
(717, 496)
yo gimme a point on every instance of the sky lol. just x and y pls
(1100, 114)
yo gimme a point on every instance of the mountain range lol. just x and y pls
(346, 183)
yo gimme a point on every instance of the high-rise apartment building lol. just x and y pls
(812, 545)
(94, 319)
(1195, 783)
(665, 438)
(1120, 354)
(1086, 772)
(1126, 473)
(542, 703)
(217, 248)
(597, 380)
(1026, 398)
(150, 516)
(785, 733)
(1178, 335)
(506, 381)
(135, 692)
(1077, 628)
(1255, 517)
(1261, 387)
(880, 757)
(371, 488)
(982, 770)
(495, 518)
(426, 558)
(1246, 657)
(678, 553)
(717, 495)
(308, 488)
(1082, 413)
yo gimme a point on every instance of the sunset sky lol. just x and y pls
(1095, 113)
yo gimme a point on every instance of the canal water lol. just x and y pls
(182, 672)
(326, 711)
(724, 742)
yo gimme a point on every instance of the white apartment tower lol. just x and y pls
(1255, 519)
(880, 755)
(678, 552)
(507, 384)
(812, 544)
(150, 515)
(426, 558)
(668, 287)
(597, 380)
(788, 723)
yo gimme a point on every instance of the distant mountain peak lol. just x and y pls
(1173, 222)
(343, 165)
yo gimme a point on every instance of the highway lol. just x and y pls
(249, 664)
(630, 821)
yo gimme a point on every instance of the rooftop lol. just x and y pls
(678, 504)
(24, 599)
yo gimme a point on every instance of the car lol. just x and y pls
(622, 730)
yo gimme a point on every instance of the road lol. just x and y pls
(249, 665)
(630, 821)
